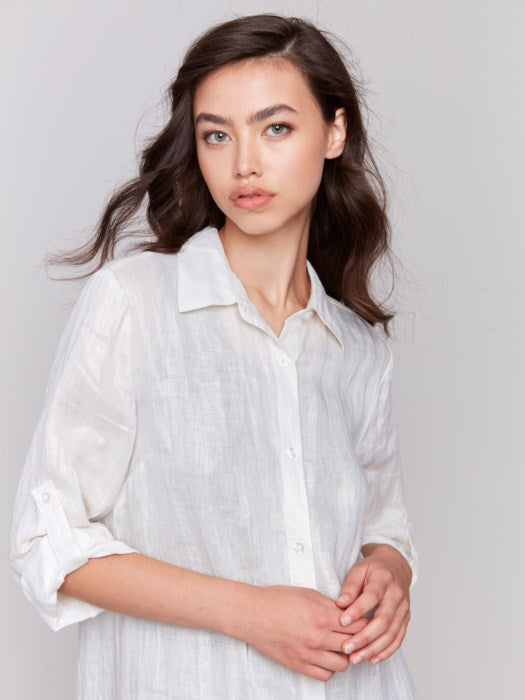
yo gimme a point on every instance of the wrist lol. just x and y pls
(234, 615)
(387, 552)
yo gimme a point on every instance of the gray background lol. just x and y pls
(82, 87)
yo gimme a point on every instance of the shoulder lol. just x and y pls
(138, 266)
(136, 274)
(363, 341)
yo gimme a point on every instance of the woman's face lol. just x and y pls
(282, 152)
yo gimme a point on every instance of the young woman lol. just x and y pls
(214, 491)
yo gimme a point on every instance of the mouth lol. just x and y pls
(252, 201)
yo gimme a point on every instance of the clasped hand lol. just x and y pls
(381, 581)
(306, 631)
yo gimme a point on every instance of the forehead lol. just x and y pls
(250, 84)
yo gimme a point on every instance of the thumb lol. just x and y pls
(352, 586)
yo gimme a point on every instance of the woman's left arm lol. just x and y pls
(381, 581)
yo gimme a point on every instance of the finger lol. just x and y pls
(386, 651)
(382, 619)
(352, 586)
(354, 627)
(313, 671)
(357, 626)
(334, 641)
(331, 660)
(348, 594)
(396, 631)
(372, 595)
(370, 613)
(389, 650)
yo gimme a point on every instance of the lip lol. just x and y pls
(246, 190)
(259, 198)
(252, 202)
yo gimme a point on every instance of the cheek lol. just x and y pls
(209, 172)
(302, 171)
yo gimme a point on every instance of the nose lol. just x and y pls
(247, 158)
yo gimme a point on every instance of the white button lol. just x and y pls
(290, 452)
(284, 361)
(299, 547)
(44, 497)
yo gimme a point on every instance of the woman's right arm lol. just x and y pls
(297, 627)
(141, 586)
(80, 453)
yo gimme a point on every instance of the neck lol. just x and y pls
(271, 266)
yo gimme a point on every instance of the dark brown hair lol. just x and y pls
(349, 227)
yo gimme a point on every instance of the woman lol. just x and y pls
(214, 484)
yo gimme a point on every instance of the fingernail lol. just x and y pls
(357, 659)
(347, 619)
(349, 647)
(343, 598)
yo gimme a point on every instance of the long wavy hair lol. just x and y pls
(349, 227)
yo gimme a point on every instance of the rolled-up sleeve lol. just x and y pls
(386, 519)
(79, 455)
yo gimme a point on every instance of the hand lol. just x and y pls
(300, 629)
(383, 580)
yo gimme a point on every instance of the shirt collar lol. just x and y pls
(205, 278)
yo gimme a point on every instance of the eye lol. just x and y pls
(211, 133)
(279, 126)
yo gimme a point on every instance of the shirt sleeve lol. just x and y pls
(386, 519)
(79, 454)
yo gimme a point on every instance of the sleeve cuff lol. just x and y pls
(42, 569)
(43, 575)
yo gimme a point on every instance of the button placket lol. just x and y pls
(297, 516)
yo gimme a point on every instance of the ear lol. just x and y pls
(336, 134)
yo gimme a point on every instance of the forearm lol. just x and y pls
(138, 585)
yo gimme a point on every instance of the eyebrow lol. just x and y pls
(259, 116)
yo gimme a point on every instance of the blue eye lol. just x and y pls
(278, 125)
(211, 133)
(281, 127)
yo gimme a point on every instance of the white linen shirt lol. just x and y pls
(176, 423)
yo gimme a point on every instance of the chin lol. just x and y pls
(258, 228)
